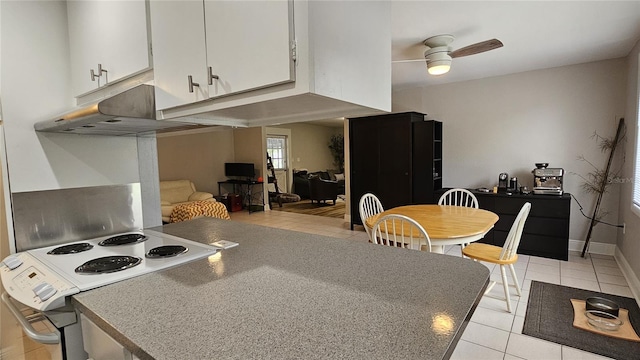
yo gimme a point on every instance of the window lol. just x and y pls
(635, 207)
(277, 149)
(636, 177)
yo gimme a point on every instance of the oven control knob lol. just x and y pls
(44, 291)
(12, 262)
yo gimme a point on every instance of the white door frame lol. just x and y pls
(289, 173)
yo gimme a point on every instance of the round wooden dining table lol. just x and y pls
(445, 225)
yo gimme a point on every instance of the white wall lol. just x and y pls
(197, 157)
(35, 87)
(249, 146)
(629, 242)
(310, 146)
(508, 123)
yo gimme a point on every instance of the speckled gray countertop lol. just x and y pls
(289, 295)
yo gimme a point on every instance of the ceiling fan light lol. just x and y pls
(438, 60)
(438, 67)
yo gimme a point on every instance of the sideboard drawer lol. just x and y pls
(546, 232)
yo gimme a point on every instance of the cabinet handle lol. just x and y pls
(100, 71)
(192, 84)
(211, 76)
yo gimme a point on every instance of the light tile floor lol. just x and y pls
(493, 333)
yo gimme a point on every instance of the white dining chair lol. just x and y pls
(459, 197)
(400, 231)
(369, 205)
(505, 256)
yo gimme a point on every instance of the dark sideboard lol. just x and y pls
(546, 232)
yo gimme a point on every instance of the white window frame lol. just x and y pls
(278, 154)
(635, 194)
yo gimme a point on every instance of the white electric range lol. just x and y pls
(42, 278)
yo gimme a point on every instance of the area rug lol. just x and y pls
(550, 317)
(321, 209)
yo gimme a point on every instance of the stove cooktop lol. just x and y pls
(66, 264)
(41, 278)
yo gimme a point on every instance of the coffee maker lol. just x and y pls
(547, 181)
(507, 184)
(503, 182)
(513, 185)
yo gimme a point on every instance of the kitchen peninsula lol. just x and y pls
(283, 294)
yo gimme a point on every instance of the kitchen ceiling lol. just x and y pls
(536, 35)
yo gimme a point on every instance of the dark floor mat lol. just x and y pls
(550, 317)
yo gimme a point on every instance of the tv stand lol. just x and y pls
(246, 187)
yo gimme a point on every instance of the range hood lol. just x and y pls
(130, 112)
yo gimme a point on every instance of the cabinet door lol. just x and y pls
(99, 345)
(110, 33)
(178, 52)
(364, 160)
(394, 176)
(123, 38)
(248, 44)
(84, 44)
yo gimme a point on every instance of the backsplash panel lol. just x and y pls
(51, 217)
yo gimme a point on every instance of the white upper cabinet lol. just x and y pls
(215, 48)
(264, 62)
(108, 37)
(248, 47)
(179, 52)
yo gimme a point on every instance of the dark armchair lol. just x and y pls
(301, 184)
(322, 190)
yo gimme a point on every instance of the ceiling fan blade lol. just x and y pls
(477, 48)
(407, 61)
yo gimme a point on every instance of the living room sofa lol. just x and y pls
(176, 192)
(322, 190)
(301, 181)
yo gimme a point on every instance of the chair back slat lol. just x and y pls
(399, 231)
(459, 197)
(510, 247)
(369, 205)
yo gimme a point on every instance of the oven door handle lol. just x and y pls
(43, 338)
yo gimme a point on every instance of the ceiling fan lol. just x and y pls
(439, 54)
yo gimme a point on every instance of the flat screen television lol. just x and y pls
(245, 170)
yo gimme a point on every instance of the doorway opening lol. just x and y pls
(277, 150)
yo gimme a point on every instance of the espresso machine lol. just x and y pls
(547, 181)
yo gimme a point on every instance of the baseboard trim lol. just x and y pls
(632, 279)
(612, 250)
(594, 247)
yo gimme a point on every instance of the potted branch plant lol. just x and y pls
(598, 180)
